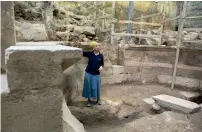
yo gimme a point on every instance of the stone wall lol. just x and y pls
(7, 29)
(129, 63)
(194, 8)
(150, 62)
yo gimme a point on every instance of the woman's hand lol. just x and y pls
(100, 69)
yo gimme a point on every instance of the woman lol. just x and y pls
(91, 87)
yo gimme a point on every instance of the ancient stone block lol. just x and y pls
(188, 95)
(85, 30)
(31, 32)
(177, 104)
(191, 83)
(117, 69)
(37, 84)
(32, 67)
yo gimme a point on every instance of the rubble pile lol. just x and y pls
(169, 37)
(65, 25)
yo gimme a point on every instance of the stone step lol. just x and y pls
(189, 95)
(176, 104)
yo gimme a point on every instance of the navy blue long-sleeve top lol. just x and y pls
(94, 62)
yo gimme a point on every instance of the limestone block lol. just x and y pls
(30, 67)
(107, 71)
(149, 101)
(191, 36)
(176, 104)
(131, 69)
(117, 69)
(191, 83)
(70, 123)
(84, 30)
(113, 79)
(188, 95)
(31, 32)
(37, 83)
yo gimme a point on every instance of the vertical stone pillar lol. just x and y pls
(7, 29)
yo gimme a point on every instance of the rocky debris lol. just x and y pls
(28, 10)
(84, 30)
(156, 107)
(63, 35)
(151, 102)
(30, 31)
(62, 24)
(109, 110)
(200, 36)
(176, 104)
(190, 36)
(169, 37)
(165, 122)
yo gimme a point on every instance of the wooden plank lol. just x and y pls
(178, 42)
(92, 7)
(138, 23)
(171, 19)
(136, 35)
(148, 16)
(193, 17)
(193, 29)
(193, 41)
(103, 17)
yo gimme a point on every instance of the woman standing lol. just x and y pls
(91, 86)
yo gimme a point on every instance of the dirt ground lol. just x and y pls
(133, 107)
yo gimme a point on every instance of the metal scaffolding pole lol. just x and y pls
(130, 17)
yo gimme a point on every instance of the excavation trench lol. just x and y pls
(122, 104)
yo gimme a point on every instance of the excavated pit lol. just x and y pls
(122, 103)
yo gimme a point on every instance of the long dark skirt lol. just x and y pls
(91, 86)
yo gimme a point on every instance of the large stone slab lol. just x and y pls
(31, 32)
(7, 28)
(177, 104)
(36, 83)
(30, 67)
(188, 95)
(117, 69)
